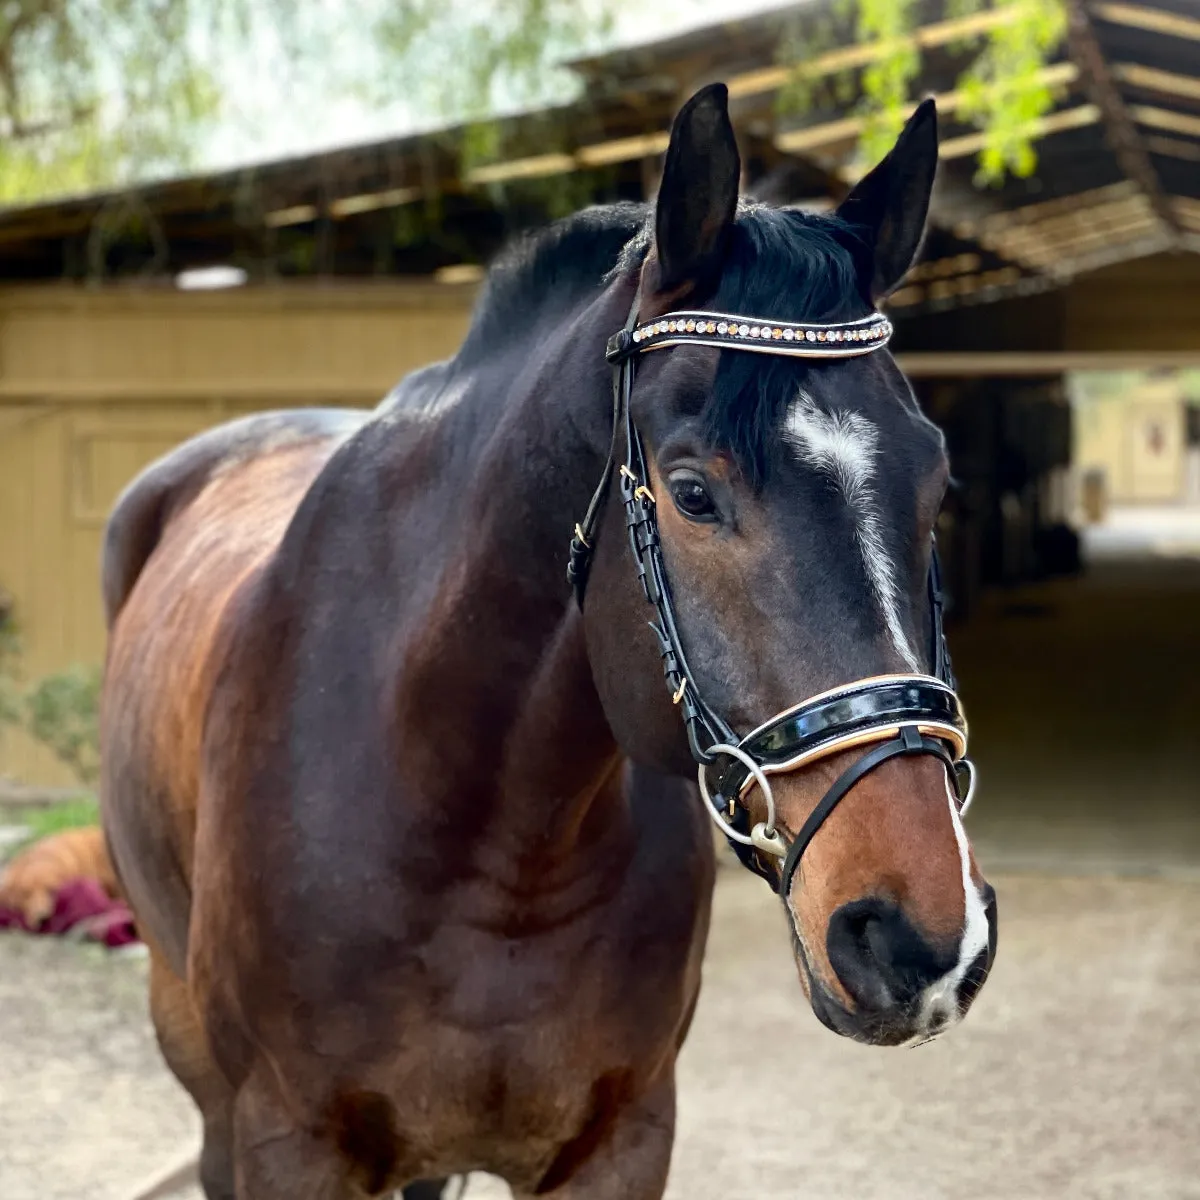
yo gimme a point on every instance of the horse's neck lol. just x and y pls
(511, 663)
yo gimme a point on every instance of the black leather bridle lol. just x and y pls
(890, 715)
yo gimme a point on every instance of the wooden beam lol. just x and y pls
(1045, 245)
(1123, 137)
(1152, 80)
(944, 268)
(1068, 118)
(905, 297)
(968, 285)
(350, 206)
(459, 273)
(1077, 202)
(623, 149)
(1062, 261)
(1110, 217)
(598, 154)
(297, 214)
(1049, 234)
(1132, 230)
(269, 392)
(1080, 259)
(941, 33)
(1165, 118)
(961, 147)
(394, 294)
(1174, 148)
(965, 365)
(1110, 254)
(1137, 16)
(1060, 229)
(814, 137)
(536, 166)
(1189, 211)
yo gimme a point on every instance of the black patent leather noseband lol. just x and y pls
(892, 715)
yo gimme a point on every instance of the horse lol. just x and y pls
(409, 822)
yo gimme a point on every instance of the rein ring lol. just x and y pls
(764, 835)
(967, 766)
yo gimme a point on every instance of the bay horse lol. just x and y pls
(407, 821)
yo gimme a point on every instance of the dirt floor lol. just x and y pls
(1076, 1075)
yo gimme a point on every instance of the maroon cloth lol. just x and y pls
(82, 902)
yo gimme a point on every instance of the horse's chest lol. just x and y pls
(528, 1049)
(574, 1005)
(498, 1051)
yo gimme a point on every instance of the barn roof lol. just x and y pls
(1118, 176)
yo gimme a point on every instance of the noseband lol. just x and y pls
(891, 716)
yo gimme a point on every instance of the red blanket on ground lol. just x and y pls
(83, 907)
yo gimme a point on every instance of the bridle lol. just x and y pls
(891, 716)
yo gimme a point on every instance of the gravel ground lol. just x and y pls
(87, 1108)
(1076, 1075)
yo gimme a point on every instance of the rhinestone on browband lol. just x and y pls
(841, 340)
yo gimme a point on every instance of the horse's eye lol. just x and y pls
(691, 498)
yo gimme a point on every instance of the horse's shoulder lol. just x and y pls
(168, 485)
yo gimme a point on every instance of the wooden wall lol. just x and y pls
(95, 384)
(1145, 306)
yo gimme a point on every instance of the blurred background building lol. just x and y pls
(1050, 326)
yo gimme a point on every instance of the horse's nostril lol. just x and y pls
(973, 980)
(881, 959)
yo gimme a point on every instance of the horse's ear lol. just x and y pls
(697, 199)
(888, 206)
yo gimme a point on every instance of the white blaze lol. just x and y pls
(844, 445)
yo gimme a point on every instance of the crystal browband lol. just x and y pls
(842, 340)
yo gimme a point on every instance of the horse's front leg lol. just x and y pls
(630, 1162)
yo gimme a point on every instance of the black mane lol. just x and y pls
(543, 272)
(779, 263)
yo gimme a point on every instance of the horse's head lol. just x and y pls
(794, 498)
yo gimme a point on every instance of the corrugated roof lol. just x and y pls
(1118, 174)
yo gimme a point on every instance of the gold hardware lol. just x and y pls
(579, 534)
(640, 490)
(677, 696)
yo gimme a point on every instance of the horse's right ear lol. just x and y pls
(697, 199)
(888, 206)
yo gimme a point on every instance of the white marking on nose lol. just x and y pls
(844, 445)
(975, 929)
(940, 1000)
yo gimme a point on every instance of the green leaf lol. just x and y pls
(1003, 95)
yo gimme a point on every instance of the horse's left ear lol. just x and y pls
(888, 206)
(697, 199)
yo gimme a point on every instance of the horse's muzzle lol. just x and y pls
(902, 990)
